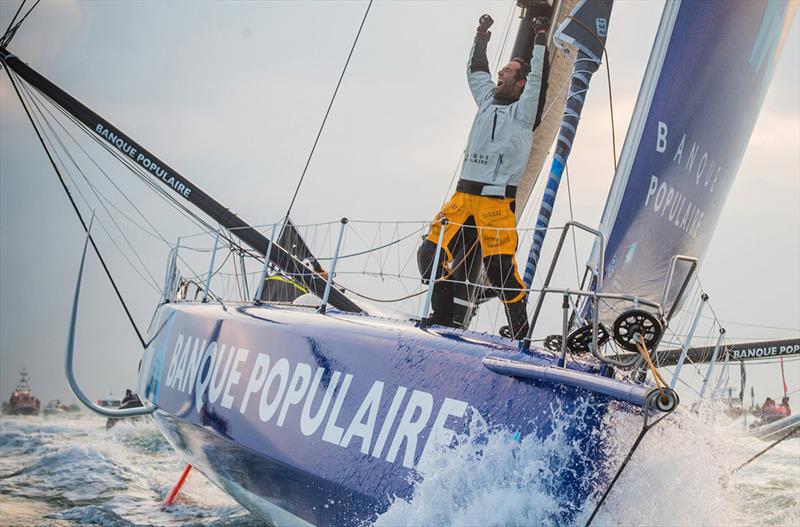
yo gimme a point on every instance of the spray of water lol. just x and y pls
(679, 476)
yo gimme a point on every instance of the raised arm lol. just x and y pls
(529, 100)
(478, 75)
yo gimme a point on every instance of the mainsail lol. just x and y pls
(586, 29)
(558, 74)
(690, 127)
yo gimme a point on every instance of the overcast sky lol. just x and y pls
(232, 94)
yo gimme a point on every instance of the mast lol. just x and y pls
(179, 184)
(531, 9)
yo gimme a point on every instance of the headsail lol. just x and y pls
(586, 29)
(708, 73)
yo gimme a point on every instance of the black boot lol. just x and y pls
(442, 305)
(517, 315)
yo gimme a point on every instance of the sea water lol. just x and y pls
(68, 470)
(682, 474)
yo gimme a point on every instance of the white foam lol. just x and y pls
(680, 475)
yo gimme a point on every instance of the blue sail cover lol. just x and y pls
(709, 70)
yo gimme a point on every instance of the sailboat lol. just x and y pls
(320, 415)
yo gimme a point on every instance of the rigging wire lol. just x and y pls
(169, 199)
(327, 112)
(13, 19)
(608, 76)
(147, 180)
(77, 211)
(506, 31)
(759, 326)
(154, 233)
(154, 283)
(791, 433)
(9, 34)
(94, 191)
(158, 189)
(572, 218)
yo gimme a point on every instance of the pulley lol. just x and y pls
(553, 342)
(579, 340)
(637, 322)
(665, 400)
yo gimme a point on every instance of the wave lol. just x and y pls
(680, 475)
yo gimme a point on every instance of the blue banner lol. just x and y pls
(713, 61)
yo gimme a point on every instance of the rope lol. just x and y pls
(383, 300)
(791, 433)
(328, 111)
(374, 249)
(608, 76)
(660, 383)
(9, 34)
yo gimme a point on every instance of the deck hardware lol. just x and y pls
(73, 383)
(332, 272)
(169, 279)
(580, 340)
(263, 276)
(432, 278)
(634, 324)
(564, 329)
(688, 341)
(243, 268)
(553, 342)
(211, 267)
(712, 363)
(526, 342)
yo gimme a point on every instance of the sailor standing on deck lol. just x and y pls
(495, 158)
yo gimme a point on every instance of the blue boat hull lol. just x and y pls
(324, 419)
